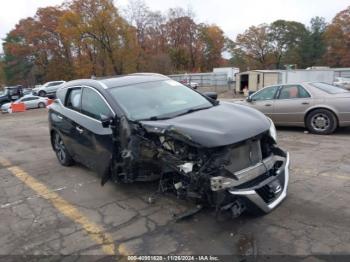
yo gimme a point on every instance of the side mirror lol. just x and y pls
(212, 95)
(106, 121)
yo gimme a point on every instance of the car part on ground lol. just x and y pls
(318, 106)
(197, 151)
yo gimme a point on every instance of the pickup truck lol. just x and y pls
(10, 94)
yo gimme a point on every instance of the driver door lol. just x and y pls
(94, 142)
(264, 101)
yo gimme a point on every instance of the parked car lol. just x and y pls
(189, 83)
(29, 101)
(10, 94)
(318, 106)
(342, 82)
(48, 89)
(143, 127)
(27, 91)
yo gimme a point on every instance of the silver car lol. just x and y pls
(48, 89)
(318, 106)
(30, 102)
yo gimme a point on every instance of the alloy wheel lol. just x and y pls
(60, 149)
(320, 122)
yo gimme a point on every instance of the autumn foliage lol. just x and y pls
(84, 38)
(337, 37)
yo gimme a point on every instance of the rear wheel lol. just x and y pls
(62, 154)
(321, 121)
(41, 105)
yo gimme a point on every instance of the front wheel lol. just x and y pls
(62, 154)
(321, 121)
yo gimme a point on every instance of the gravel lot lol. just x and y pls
(313, 220)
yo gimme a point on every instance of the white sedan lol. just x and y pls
(29, 101)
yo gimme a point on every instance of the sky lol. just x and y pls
(231, 15)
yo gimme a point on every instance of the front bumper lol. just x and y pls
(257, 194)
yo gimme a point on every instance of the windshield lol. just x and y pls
(160, 99)
(330, 89)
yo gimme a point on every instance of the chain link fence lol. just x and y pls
(217, 82)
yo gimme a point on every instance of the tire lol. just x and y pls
(41, 105)
(321, 122)
(42, 93)
(62, 154)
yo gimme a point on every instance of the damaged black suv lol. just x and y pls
(145, 127)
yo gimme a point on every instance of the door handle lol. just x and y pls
(80, 130)
(268, 105)
(305, 103)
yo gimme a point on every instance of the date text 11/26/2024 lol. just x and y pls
(174, 258)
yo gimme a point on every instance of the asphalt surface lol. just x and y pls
(49, 209)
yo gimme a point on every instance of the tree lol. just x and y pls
(337, 38)
(150, 36)
(2, 74)
(313, 46)
(254, 44)
(182, 37)
(213, 43)
(285, 38)
(20, 52)
(102, 32)
(84, 38)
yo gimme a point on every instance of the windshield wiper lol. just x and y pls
(154, 118)
(191, 110)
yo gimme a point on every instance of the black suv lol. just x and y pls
(146, 127)
(10, 94)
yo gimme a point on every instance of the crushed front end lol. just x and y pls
(247, 175)
(252, 174)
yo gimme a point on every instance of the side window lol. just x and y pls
(31, 98)
(293, 91)
(93, 104)
(73, 99)
(267, 93)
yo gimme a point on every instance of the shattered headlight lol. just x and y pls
(272, 130)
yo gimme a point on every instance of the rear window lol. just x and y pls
(330, 89)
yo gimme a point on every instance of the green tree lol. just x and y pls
(2, 73)
(313, 47)
(19, 56)
(285, 38)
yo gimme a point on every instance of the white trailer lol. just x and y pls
(229, 71)
(313, 75)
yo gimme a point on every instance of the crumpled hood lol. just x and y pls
(224, 124)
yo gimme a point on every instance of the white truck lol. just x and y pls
(230, 71)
